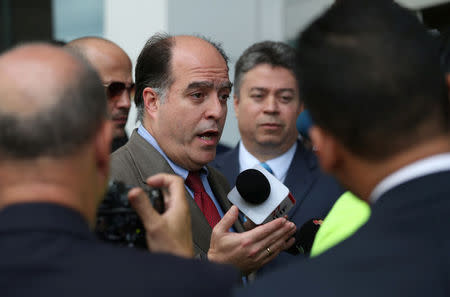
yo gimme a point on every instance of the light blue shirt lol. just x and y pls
(180, 170)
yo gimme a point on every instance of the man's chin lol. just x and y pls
(205, 158)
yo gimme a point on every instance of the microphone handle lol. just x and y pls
(304, 237)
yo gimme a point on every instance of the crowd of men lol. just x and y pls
(372, 79)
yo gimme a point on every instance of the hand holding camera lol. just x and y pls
(161, 211)
(171, 231)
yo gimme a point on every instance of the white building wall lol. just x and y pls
(235, 23)
(130, 23)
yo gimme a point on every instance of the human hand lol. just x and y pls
(252, 249)
(249, 225)
(171, 231)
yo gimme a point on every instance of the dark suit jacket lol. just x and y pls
(403, 250)
(134, 162)
(314, 192)
(48, 250)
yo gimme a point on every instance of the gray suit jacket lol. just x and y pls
(134, 162)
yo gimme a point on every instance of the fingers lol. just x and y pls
(263, 231)
(275, 247)
(275, 241)
(228, 220)
(141, 204)
(280, 235)
(172, 187)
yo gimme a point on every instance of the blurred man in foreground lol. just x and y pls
(114, 67)
(370, 76)
(55, 139)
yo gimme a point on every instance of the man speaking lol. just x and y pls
(182, 88)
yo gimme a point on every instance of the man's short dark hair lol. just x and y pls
(370, 75)
(60, 129)
(276, 54)
(153, 66)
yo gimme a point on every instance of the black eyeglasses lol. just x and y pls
(116, 88)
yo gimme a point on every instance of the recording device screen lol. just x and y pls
(117, 222)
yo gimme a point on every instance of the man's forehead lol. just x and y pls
(111, 65)
(192, 52)
(224, 84)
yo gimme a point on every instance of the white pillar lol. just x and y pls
(129, 24)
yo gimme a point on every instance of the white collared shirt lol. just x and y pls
(279, 165)
(426, 166)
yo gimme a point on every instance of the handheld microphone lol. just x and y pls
(245, 185)
(260, 195)
(304, 237)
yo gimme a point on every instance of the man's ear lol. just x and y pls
(327, 148)
(151, 100)
(236, 105)
(103, 139)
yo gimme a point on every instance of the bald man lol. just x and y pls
(54, 166)
(114, 67)
(182, 89)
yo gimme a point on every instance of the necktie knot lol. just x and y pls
(194, 182)
(267, 167)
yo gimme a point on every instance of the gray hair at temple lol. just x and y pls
(276, 54)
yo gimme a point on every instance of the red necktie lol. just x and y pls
(202, 198)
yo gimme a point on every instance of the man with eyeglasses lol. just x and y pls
(114, 67)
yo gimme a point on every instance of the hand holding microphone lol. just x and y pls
(263, 198)
(252, 249)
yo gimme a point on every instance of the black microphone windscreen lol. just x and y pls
(253, 186)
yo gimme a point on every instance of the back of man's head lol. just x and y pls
(275, 54)
(370, 76)
(47, 103)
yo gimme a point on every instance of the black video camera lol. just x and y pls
(117, 222)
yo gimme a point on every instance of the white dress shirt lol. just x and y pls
(426, 166)
(279, 165)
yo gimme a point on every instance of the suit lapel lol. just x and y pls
(228, 165)
(218, 188)
(301, 175)
(149, 161)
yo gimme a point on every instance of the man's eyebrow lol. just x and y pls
(290, 90)
(225, 85)
(261, 89)
(200, 84)
(208, 84)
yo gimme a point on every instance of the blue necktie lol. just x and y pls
(267, 167)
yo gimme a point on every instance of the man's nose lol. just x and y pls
(124, 100)
(216, 108)
(271, 104)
